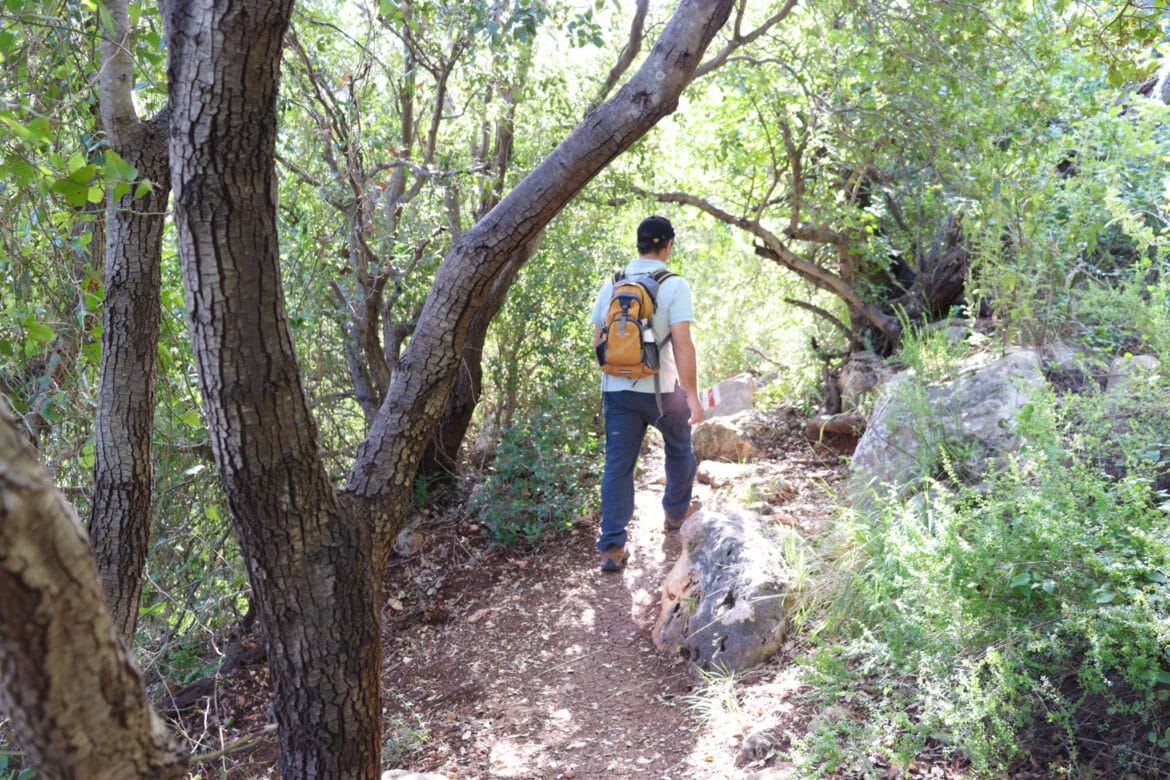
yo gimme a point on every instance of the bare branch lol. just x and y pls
(304, 175)
(117, 73)
(816, 235)
(738, 40)
(826, 316)
(633, 46)
(774, 249)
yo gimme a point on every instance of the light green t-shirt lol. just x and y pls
(673, 304)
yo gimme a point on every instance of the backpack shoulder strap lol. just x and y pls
(618, 275)
(662, 275)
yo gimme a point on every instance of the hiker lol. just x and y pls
(668, 400)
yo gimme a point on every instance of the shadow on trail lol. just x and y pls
(546, 669)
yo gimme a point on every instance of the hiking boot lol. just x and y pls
(673, 525)
(614, 559)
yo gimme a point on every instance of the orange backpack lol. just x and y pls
(628, 348)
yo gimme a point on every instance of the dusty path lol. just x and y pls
(540, 666)
(522, 664)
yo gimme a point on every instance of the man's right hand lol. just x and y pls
(696, 409)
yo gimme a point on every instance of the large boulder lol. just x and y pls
(726, 602)
(971, 416)
(734, 439)
(731, 396)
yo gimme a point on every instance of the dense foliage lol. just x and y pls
(864, 140)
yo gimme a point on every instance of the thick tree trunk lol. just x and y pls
(120, 518)
(441, 457)
(310, 562)
(73, 694)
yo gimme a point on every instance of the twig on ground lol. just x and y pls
(235, 747)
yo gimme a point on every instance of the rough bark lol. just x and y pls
(441, 457)
(310, 562)
(73, 694)
(120, 518)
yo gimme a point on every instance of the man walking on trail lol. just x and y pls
(632, 404)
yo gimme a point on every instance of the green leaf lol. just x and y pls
(118, 169)
(35, 132)
(143, 188)
(39, 332)
(75, 194)
(190, 419)
(82, 175)
(92, 352)
(20, 171)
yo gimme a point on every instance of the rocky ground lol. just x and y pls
(541, 666)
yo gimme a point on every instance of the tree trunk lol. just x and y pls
(311, 564)
(72, 691)
(441, 457)
(120, 517)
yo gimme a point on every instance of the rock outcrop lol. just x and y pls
(726, 602)
(969, 417)
(731, 396)
(1126, 370)
(733, 439)
(863, 374)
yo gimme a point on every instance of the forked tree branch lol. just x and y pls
(739, 39)
(633, 46)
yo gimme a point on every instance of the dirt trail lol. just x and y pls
(537, 665)
(534, 664)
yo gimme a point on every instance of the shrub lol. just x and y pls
(539, 481)
(1028, 616)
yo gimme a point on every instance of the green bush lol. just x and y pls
(1027, 616)
(540, 479)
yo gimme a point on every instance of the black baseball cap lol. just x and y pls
(655, 230)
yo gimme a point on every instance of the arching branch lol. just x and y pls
(776, 250)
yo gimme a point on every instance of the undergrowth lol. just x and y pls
(539, 481)
(1026, 617)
